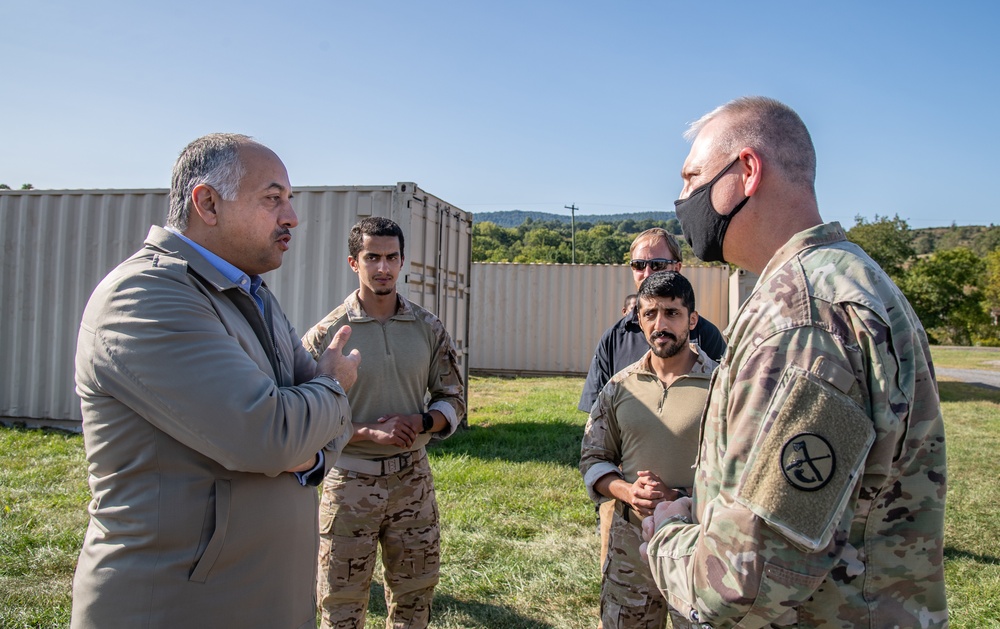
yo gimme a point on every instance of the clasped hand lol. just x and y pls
(648, 491)
(679, 509)
(396, 430)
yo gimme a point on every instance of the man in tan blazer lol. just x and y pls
(206, 423)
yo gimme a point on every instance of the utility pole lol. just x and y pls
(572, 226)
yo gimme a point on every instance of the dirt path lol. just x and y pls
(973, 376)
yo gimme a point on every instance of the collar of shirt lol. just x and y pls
(355, 312)
(702, 368)
(823, 234)
(631, 321)
(246, 283)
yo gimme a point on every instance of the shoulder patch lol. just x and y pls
(807, 459)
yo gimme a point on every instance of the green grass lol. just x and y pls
(972, 518)
(519, 548)
(986, 358)
(43, 500)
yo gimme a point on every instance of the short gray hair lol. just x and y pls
(213, 160)
(769, 127)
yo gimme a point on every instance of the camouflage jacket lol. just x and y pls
(408, 365)
(820, 487)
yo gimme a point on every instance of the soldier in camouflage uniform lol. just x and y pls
(640, 444)
(820, 487)
(381, 490)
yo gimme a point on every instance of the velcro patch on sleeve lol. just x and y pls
(802, 470)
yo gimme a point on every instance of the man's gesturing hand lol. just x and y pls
(335, 363)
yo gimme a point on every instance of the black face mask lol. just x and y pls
(704, 228)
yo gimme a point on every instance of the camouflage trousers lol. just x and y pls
(357, 513)
(629, 597)
(605, 512)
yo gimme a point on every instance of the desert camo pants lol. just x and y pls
(629, 597)
(357, 513)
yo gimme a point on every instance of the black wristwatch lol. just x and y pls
(428, 422)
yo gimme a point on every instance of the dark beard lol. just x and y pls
(670, 350)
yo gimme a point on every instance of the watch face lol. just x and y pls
(428, 421)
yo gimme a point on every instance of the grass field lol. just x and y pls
(519, 546)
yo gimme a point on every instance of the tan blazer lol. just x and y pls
(188, 423)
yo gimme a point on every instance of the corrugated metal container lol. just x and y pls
(741, 284)
(548, 318)
(58, 244)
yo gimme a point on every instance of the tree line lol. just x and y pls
(554, 241)
(951, 275)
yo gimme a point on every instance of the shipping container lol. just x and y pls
(741, 284)
(548, 318)
(58, 244)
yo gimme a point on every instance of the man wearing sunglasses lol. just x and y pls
(623, 343)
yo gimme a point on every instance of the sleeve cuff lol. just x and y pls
(449, 413)
(331, 383)
(596, 473)
(314, 477)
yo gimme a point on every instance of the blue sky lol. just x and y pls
(528, 105)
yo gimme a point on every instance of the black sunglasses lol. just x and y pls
(656, 264)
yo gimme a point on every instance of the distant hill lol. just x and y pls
(980, 239)
(514, 218)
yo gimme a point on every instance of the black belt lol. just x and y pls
(628, 514)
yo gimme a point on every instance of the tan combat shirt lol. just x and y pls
(409, 356)
(638, 423)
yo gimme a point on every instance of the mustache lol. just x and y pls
(278, 233)
(661, 334)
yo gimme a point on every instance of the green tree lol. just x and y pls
(627, 226)
(945, 290)
(987, 240)
(602, 244)
(4, 186)
(887, 240)
(991, 292)
(27, 186)
(992, 285)
(544, 245)
(492, 243)
(606, 242)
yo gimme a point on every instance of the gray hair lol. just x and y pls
(212, 160)
(769, 127)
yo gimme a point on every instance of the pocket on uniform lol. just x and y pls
(625, 605)
(347, 560)
(223, 504)
(780, 588)
(329, 506)
(623, 594)
(422, 555)
(327, 514)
